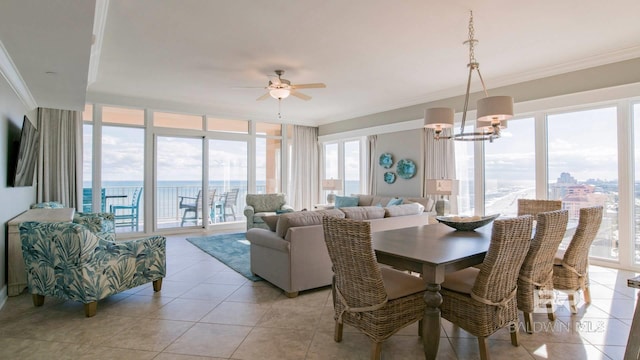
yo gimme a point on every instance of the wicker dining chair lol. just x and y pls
(570, 272)
(535, 282)
(377, 301)
(533, 206)
(483, 300)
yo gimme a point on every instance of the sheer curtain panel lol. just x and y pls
(440, 163)
(304, 185)
(60, 160)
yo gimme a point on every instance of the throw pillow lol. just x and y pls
(346, 201)
(395, 201)
(284, 211)
(271, 221)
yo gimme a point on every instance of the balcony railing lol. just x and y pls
(167, 201)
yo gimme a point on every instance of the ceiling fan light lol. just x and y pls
(279, 93)
(493, 110)
(438, 118)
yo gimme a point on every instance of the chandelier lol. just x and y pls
(492, 111)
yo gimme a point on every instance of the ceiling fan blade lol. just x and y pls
(264, 97)
(300, 95)
(247, 87)
(309, 86)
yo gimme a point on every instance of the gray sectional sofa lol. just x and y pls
(294, 257)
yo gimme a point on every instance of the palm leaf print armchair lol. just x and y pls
(69, 261)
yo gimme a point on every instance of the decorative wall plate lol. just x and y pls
(386, 160)
(406, 168)
(389, 177)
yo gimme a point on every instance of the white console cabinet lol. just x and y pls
(17, 277)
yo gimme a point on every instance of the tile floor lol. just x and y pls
(207, 311)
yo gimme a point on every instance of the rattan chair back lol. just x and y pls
(533, 206)
(577, 253)
(537, 270)
(357, 274)
(498, 275)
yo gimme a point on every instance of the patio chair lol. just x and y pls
(533, 206)
(87, 199)
(535, 282)
(377, 301)
(483, 300)
(128, 215)
(68, 261)
(193, 207)
(227, 201)
(570, 272)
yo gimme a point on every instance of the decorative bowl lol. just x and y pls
(389, 177)
(469, 225)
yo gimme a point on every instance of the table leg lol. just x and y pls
(431, 321)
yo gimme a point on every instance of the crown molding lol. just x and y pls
(99, 23)
(12, 75)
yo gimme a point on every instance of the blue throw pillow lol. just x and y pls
(345, 201)
(395, 201)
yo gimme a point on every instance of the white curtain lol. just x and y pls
(304, 187)
(440, 163)
(373, 179)
(60, 160)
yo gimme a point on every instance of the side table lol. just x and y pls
(16, 274)
(633, 343)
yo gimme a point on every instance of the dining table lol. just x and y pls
(431, 250)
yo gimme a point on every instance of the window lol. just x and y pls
(636, 182)
(229, 126)
(465, 173)
(352, 167)
(268, 165)
(122, 116)
(343, 160)
(177, 121)
(509, 168)
(583, 171)
(87, 159)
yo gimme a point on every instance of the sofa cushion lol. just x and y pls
(426, 202)
(363, 212)
(303, 218)
(346, 201)
(271, 221)
(403, 210)
(364, 200)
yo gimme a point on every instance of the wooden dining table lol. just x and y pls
(431, 250)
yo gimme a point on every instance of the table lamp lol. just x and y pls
(331, 184)
(440, 187)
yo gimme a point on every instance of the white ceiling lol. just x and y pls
(373, 55)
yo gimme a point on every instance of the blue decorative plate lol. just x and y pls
(406, 168)
(389, 177)
(386, 160)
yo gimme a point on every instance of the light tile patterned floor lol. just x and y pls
(207, 311)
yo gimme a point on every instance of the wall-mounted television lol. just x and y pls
(23, 166)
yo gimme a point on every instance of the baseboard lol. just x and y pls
(3, 296)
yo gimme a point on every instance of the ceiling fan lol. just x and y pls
(280, 88)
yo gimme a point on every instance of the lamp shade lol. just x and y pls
(331, 184)
(438, 118)
(279, 93)
(440, 186)
(492, 109)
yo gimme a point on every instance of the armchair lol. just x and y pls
(68, 261)
(259, 205)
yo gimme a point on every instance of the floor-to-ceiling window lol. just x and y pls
(122, 170)
(636, 183)
(583, 170)
(352, 167)
(179, 200)
(464, 152)
(87, 156)
(343, 161)
(228, 176)
(509, 168)
(268, 157)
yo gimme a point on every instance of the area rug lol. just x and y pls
(231, 249)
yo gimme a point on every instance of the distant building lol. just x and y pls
(579, 196)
